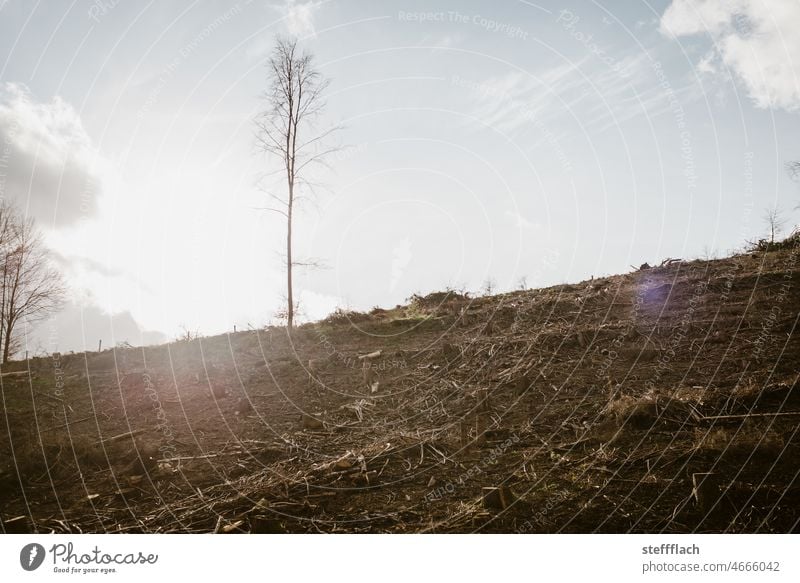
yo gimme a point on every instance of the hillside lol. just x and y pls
(662, 400)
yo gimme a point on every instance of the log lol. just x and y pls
(232, 527)
(748, 415)
(184, 458)
(18, 525)
(122, 436)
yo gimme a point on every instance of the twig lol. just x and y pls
(68, 424)
(41, 394)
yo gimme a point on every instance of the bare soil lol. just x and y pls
(663, 400)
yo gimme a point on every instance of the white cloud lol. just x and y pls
(47, 161)
(300, 17)
(757, 40)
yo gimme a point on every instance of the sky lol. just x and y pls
(517, 143)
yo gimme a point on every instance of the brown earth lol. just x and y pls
(663, 400)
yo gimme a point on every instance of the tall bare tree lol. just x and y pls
(286, 130)
(30, 288)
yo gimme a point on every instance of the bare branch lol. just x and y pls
(319, 138)
(312, 262)
(273, 210)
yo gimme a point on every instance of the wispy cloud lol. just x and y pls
(510, 101)
(88, 264)
(758, 41)
(595, 98)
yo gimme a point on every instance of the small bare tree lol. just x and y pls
(30, 288)
(285, 130)
(793, 168)
(775, 222)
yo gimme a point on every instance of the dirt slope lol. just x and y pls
(660, 400)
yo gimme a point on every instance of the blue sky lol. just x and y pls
(538, 140)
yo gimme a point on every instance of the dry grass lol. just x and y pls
(650, 411)
(738, 444)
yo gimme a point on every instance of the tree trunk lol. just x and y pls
(7, 343)
(3, 302)
(289, 291)
(289, 287)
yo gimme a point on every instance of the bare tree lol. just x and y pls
(286, 131)
(8, 221)
(30, 288)
(774, 221)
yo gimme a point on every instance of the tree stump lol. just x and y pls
(261, 524)
(311, 423)
(481, 426)
(705, 490)
(497, 498)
